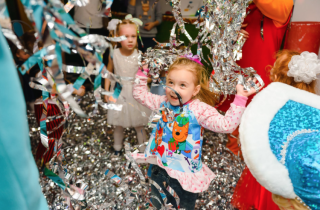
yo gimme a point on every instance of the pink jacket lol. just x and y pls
(207, 117)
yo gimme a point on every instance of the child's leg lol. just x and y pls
(141, 136)
(160, 176)
(118, 138)
(187, 199)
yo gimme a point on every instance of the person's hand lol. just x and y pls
(141, 72)
(243, 31)
(242, 92)
(244, 25)
(80, 92)
(145, 66)
(149, 26)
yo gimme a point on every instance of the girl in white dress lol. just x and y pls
(125, 64)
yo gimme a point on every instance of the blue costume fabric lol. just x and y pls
(302, 156)
(19, 183)
(293, 116)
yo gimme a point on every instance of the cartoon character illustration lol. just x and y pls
(169, 153)
(196, 152)
(179, 135)
(157, 140)
(164, 116)
(195, 157)
(145, 8)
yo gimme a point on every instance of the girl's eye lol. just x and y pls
(170, 83)
(183, 85)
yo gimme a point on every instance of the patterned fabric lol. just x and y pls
(180, 140)
(52, 110)
(177, 146)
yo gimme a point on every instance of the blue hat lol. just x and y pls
(280, 137)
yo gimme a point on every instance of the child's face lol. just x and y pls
(130, 31)
(182, 81)
(22, 55)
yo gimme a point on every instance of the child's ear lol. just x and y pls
(196, 90)
(17, 54)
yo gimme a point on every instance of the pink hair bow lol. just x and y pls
(194, 58)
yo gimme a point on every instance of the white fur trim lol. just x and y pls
(254, 128)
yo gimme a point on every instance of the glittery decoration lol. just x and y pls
(293, 116)
(219, 24)
(290, 138)
(303, 163)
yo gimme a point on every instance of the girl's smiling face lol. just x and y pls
(182, 81)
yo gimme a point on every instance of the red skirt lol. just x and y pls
(249, 194)
(52, 110)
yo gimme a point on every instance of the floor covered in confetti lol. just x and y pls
(96, 179)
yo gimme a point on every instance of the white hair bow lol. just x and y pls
(112, 25)
(137, 21)
(304, 67)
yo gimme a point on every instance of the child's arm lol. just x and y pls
(141, 94)
(107, 81)
(209, 118)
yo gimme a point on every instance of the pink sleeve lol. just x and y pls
(147, 99)
(240, 100)
(209, 118)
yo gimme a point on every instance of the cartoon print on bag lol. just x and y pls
(179, 135)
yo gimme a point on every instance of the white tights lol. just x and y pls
(118, 137)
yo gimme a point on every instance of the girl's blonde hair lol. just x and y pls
(280, 69)
(200, 78)
(121, 23)
(288, 204)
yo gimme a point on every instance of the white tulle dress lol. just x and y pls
(131, 113)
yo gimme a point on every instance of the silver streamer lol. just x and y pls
(219, 25)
